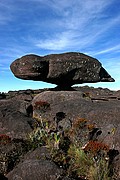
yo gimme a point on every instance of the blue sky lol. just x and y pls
(51, 26)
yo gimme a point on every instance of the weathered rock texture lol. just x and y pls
(64, 69)
(15, 119)
(36, 169)
(103, 112)
(66, 106)
(99, 106)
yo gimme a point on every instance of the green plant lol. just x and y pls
(99, 170)
(42, 135)
(80, 157)
(86, 95)
(91, 165)
(36, 136)
(56, 140)
(80, 162)
(39, 135)
(88, 158)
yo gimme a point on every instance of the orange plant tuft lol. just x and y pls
(90, 126)
(42, 104)
(95, 146)
(4, 139)
(79, 123)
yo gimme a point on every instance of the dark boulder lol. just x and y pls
(2, 96)
(31, 67)
(14, 120)
(64, 69)
(35, 169)
(40, 153)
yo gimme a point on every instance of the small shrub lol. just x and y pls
(86, 95)
(39, 108)
(79, 163)
(99, 170)
(79, 131)
(41, 105)
(91, 163)
(95, 147)
(39, 135)
(43, 136)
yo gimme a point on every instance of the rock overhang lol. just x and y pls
(61, 69)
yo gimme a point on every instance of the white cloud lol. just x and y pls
(4, 68)
(6, 8)
(115, 48)
(82, 24)
(77, 24)
(53, 44)
(60, 42)
(75, 38)
(113, 67)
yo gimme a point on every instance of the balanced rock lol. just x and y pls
(64, 69)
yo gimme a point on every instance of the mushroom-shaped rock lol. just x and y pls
(64, 69)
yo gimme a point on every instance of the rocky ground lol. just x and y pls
(21, 112)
